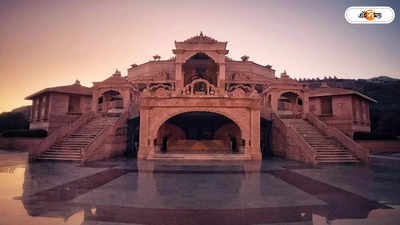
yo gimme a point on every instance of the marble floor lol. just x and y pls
(128, 191)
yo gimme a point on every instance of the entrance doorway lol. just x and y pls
(199, 132)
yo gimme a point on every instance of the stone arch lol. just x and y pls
(200, 65)
(107, 99)
(239, 120)
(103, 91)
(297, 92)
(188, 55)
(291, 102)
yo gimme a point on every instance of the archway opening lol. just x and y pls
(290, 104)
(111, 102)
(200, 66)
(199, 132)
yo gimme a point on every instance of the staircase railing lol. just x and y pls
(59, 134)
(102, 137)
(293, 135)
(356, 149)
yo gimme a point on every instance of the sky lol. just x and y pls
(46, 43)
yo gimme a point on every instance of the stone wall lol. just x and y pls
(378, 146)
(23, 144)
(250, 69)
(152, 70)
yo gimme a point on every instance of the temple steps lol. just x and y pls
(327, 150)
(69, 149)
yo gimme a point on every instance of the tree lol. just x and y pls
(12, 121)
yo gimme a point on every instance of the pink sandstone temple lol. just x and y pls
(200, 105)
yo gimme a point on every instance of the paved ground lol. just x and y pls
(127, 191)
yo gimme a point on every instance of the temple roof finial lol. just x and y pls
(117, 73)
(77, 82)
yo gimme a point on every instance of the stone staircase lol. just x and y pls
(69, 149)
(328, 150)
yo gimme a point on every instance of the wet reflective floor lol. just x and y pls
(128, 191)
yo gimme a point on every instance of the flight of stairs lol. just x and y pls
(69, 149)
(328, 149)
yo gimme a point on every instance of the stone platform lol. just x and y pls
(199, 146)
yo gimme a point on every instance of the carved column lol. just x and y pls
(221, 76)
(274, 101)
(306, 104)
(179, 76)
(126, 99)
(255, 134)
(47, 106)
(95, 101)
(33, 109)
(144, 141)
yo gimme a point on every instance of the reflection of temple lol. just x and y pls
(178, 192)
(200, 104)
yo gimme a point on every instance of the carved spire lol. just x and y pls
(117, 73)
(156, 57)
(201, 39)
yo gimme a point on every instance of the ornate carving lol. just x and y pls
(200, 87)
(201, 39)
(161, 92)
(239, 76)
(254, 94)
(238, 93)
(163, 75)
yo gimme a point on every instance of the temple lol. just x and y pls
(200, 105)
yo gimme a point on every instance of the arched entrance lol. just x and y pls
(199, 132)
(290, 104)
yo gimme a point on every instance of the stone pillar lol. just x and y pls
(179, 76)
(47, 106)
(144, 134)
(274, 102)
(306, 104)
(40, 99)
(33, 110)
(255, 134)
(221, 76)
(126, 99)
(95, 100)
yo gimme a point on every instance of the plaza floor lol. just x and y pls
(129, 191)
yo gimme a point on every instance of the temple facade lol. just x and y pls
(200, 104)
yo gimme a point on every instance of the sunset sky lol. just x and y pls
(47, 43)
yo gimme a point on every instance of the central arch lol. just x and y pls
(200, 66)
(199, 132)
